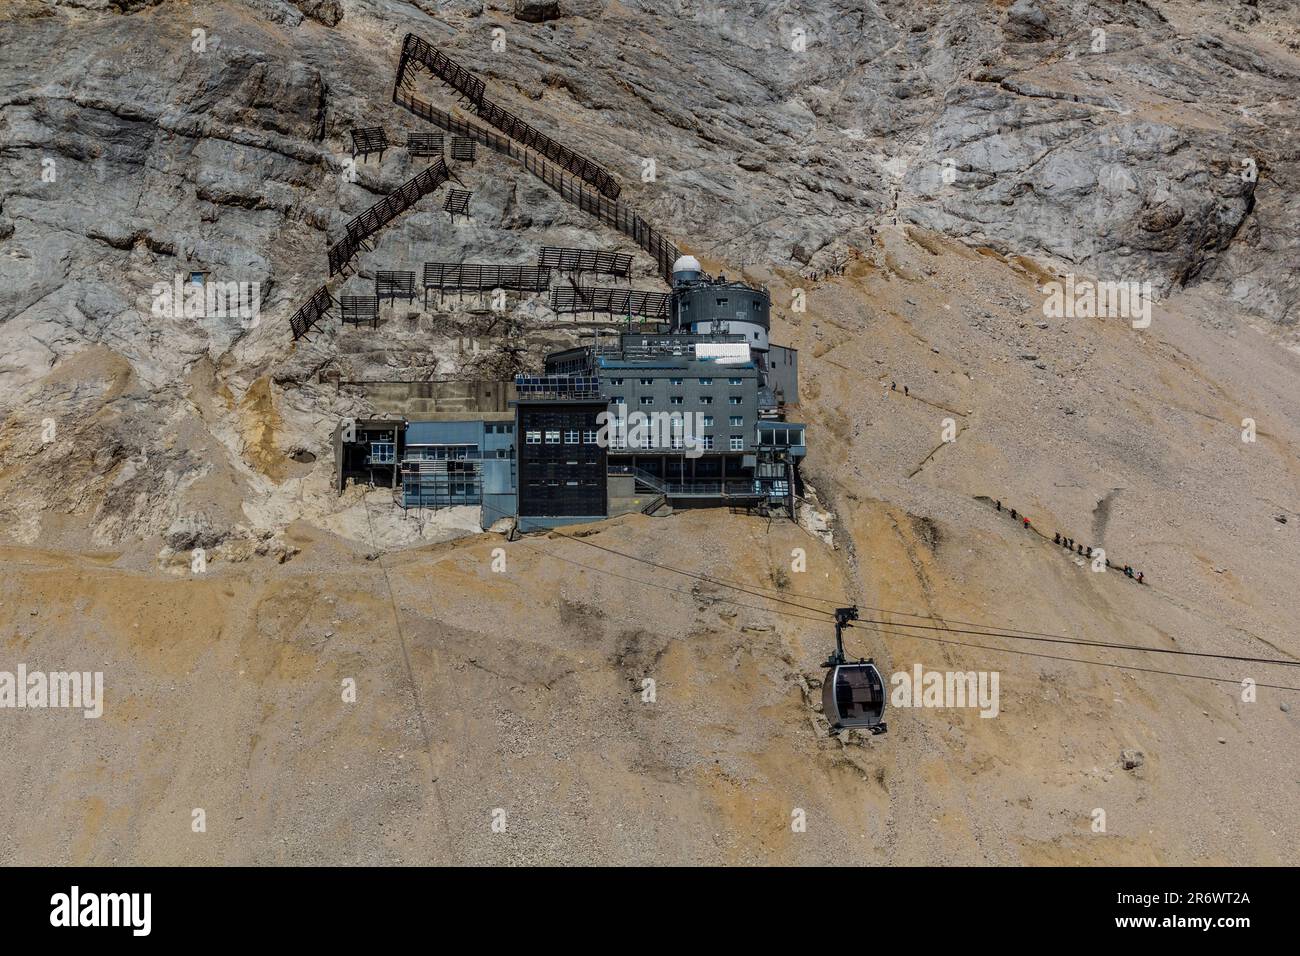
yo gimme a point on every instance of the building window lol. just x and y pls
(571, 436)
(674, 400)
(615, 381)
(552, 437)
(647, 399)
(674, 381)
(706, 399)
(647, 381)
(678, 441)
(736, 421)
(533, 438)
(503, 452)
(589, 437)
(737, 442)
(722, 302)
(708, 443)
(382, 452)
(708, 421)
(733, 381)
(706, 381)
(619, 400)
(734, 399)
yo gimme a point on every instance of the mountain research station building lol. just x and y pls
(691, 414)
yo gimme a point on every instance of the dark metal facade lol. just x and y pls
(721, 303)
(562, 469)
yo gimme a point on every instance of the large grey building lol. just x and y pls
(686, 404)
(693, 413)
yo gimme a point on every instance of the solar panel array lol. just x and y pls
(585, 260)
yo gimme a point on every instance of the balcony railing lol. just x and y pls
(730, 488)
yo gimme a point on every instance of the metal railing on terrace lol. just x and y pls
(721, 488)
(651, 481)
(731, 488)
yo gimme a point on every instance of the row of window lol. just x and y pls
(556, 483)
(678, 400)
(735, 443)
(780, 436)
(453, 452)
(735, 421)
(571, 437)
(724, 301)
(679, 381)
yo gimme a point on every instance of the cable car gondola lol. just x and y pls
(853, 693)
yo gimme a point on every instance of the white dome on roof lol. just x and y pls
(687, 264)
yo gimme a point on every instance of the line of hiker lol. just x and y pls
(1069, 544)
(1015, 515)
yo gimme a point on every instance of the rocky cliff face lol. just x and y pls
(144, 140)
(915, 172)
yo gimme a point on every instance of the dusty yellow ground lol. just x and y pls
(520, 691)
